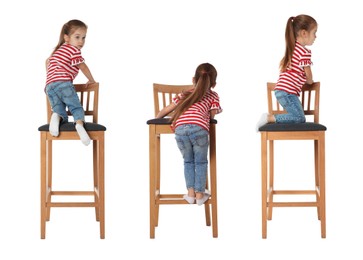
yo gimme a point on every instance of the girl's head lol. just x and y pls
(301, 28)
(203, 80)
(73, 32)
(206, 71)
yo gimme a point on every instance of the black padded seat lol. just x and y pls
(70, 126)
(165, 121)
(277, 127)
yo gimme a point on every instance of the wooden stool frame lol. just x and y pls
(158, 127)
(97, 136)
(267, 159)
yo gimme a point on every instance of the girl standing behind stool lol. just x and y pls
(295, 70)
(62, 67)
(191, 120)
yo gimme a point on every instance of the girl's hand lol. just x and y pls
(90, 82)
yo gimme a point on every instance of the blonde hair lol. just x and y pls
(293, 27)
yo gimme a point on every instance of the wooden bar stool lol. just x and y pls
(89, 100)
(163, 95)
(304, 131)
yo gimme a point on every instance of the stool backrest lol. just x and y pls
(164, 94)
(88, 96)
(309, 97)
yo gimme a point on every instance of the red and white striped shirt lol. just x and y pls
(63, 64)
(199, 112)
(292, 80)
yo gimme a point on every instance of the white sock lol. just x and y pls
(263, 120)
(54, 124)
(189, 199)
(83, 134)
(203, 200)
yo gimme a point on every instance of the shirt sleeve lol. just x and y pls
(76, 58)
(177, 98)
(215, 104)
(305, 59)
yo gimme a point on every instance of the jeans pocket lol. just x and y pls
(202, 140)
(180, 144)
(67, 92)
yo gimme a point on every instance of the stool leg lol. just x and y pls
(321, 152)
(95, 177)
(214, 207)
(157, 189)
(264, 182)
(214, 217)
(207, 214)
(317, 175)
(213, 178)
(101, 185)
(43, 184)
(152, 205)
(207, 208)
(49, 163)
(270, 179)
(153, 165)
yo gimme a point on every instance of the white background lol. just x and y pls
(130, 45)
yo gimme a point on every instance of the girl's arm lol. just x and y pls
(213, 113)
(85, 70)
(166, 110)
(309, 75)
(46, 64)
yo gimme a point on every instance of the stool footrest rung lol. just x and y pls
(294, 192)
(170, 199)
(72, 193)
(72, 204)
(173, 199)
(293, 204)
(171, 196)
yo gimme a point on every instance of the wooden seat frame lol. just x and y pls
(267, 159)
(156, 129)
(46, 140)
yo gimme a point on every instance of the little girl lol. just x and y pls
(62, 67)
(191, 120)
(295, 69)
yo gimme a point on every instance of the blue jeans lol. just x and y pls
(62, 94)
(292, 104)
(193, 143)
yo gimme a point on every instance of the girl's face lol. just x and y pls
(77, 38)
(311, 36)
(308, 38)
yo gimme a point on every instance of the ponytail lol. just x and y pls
(205, 79)
(290, 39)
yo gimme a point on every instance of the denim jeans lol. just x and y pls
(62, 94)
(292, 104)
(193, 143)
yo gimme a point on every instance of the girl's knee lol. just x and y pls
(301, 119)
